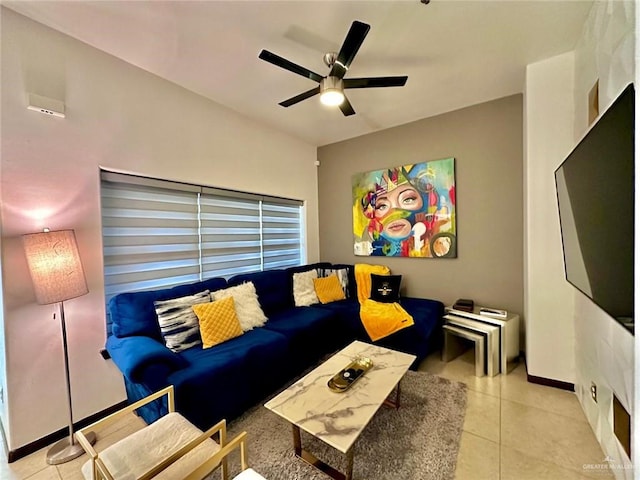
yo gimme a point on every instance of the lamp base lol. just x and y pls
(62, 452)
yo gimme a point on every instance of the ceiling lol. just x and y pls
(455, 53)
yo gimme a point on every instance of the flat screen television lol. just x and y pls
(595, 190)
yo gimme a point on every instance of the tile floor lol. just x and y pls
(513, 430)
(516, 430)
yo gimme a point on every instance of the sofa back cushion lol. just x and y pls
(133, 313)
(272, 286)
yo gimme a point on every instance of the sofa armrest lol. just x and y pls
(133, 355)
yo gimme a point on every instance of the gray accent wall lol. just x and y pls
(486, 142)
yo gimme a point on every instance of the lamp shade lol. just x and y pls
(55, 266)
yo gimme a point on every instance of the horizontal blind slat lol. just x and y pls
(159, 233)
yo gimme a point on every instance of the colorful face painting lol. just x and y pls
(406, 211)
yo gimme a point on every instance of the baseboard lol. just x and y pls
(43, 442)
(549, 382)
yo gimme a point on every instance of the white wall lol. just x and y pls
(604, 349)
(548, 297)
(560, 317)
(118, 117)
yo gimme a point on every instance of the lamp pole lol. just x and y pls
(67, 449)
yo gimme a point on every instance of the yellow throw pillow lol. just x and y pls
(328, 289)
(218, 321)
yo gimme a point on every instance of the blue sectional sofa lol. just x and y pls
(223, 381)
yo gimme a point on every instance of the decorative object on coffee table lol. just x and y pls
(345, 378)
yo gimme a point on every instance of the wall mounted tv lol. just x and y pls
(595, 189)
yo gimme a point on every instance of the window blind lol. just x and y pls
(231, 241)
(281, 234)
(158, 233)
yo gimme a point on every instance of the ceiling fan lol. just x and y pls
(331, 87)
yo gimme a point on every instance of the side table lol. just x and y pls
(502, 337)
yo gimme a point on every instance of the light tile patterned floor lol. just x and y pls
(516, 430)
(513, 430)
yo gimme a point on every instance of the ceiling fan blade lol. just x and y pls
(375, 82)
(350, 47)
(346, 108)
(287, 65)
(299, 98)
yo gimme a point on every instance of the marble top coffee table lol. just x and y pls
(338, 419)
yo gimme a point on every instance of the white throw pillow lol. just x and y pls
(304, 292)
(248, 307)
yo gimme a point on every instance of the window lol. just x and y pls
(158, 233)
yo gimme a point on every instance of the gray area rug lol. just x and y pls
(418, 441)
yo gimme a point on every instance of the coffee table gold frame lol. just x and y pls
(314, 461)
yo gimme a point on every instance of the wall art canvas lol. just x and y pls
(406, 211)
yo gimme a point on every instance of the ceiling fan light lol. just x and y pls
(331, 93)
(332, 97)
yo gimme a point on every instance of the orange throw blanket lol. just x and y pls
(379, 319)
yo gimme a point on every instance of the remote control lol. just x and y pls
(493, 311)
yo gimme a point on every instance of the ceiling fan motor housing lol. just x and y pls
(330, 58)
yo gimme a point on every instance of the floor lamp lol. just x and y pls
(57, 275)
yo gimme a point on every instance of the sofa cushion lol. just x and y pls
(178, 324)
(304, 293)
(247, 306)
(429, 312)
(218, 321)
(223, 381)
(133, 313)
(419, 340)
(312, 332)
(272, 286)
(347, 314)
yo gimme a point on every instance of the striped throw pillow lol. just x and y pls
(178, 323)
